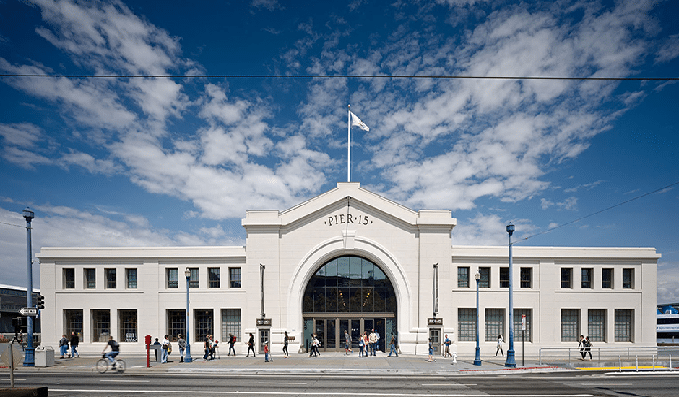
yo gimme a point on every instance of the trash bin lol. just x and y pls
(44, 356)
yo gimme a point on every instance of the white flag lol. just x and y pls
(356, 121)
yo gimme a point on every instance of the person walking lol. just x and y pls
(393, 346)
(232, 342)
(63, 346)
(587, 345)
(430, 351)
(373, 341)
(165, 347)
(182, 345)
(366, 344)
(251, 345)
(447, 346)
(267, 356)
(348, 344)
(582, 347)
(285, 344)
(155, 349)
(499, 345)
(361, 346)
(74, 344)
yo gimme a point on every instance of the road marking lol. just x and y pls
(448, 384)
(124, 380)
(282, 393)
(604, 384)
(295, 383)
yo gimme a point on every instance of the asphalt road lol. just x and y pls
(216, 384)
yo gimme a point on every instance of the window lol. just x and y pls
(231, 324)
(131, 278)
(213, 277)
(628, 278)
(494, 324)
(171, 275)
(623, 325)
(110, 278)
(607, 276)
(586, 278)
(597, 325)
(234, 277)
(570, 325)
(193, 277)
(517, 324)
(69, 278)
(128, 325)
(484, 277)
(504, 279)
(525, 277)
(90, 278)
(101, 325)
(566, 277)
(73, 322)
(467, 324)
(463, 277)
(176, 323)
(203, 324)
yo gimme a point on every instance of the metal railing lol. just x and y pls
(661, 355)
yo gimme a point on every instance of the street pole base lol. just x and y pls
(510, 359)
(29, 357)
(477, 363)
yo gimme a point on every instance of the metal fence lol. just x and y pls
(666, 356)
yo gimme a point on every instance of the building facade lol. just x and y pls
(350, 260)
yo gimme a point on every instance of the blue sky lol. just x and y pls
(178, 161)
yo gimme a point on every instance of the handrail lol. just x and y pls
(630, 351)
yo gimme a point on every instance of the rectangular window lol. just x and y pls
(607, 278)
(101, 325)
(90, 278)
(628, 278)
(504, 279)
(463, 277)
(234, 277)
(69, 278)
(494, 324)
(110, 278)
(73, 322)
(203, 324)
(586, 278)
(213, 277)
(484, 277)
(131, 278)
(566, 276)
(525, 277)
(127, 319)
(623, 325)
(597, 324)
(517, 324)
(231, 324)
(570, 325)
(171, 276)
(177, 323)
(193, 278)
(467, 324)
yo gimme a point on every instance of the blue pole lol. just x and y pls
(478, 359)
(29, 358)
(187, 357)
(510, 360)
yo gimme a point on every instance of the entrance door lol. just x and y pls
(435, 334)
(264, 339)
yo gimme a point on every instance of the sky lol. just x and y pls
(162, 123)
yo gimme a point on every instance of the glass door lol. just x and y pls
(435, 334)
(331, 335)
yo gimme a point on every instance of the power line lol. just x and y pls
(344, 76)
(599, 212)
(11, 224)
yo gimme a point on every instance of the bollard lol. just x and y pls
(619, 363)
(653, 363)
(636, 363)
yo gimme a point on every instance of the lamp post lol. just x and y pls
(29, 358)
(478, 359)
(510, 359)
(187, 358)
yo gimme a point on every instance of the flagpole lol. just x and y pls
(349, 143)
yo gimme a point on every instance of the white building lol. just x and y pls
(349, 260)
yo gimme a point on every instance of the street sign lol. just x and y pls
(28, 311)
(524, 322)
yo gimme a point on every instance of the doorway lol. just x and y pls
(435, 335)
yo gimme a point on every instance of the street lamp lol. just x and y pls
(478, 359)
(29, 358)
(187, 358)
(510, 359)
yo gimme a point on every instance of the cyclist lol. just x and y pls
(113, 353)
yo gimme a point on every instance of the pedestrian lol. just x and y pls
(315, 347)
(499, 345)
(366, 344)
(430, 350)
(232, 342)
(582, 347)
(285, 344)
(361, 346)
(447, 346)
(348, 343)
(63, 346)
(251, 345)
(155, 350)
(74, 344)
(182, 344)
(373, 341)
(206, 348)
(393, 346)
(165, 347)
(377, 342)
(588, 345)
(267, 356)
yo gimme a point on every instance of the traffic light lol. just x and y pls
(41, 302)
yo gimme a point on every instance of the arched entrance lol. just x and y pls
(348, 293)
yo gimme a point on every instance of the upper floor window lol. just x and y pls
(607, 277)
(110, 278)
(628, 280)
(171, 276)
(484, 277)
(193, 277)
(69, 278)
(131, 278)
(586, 278)
(234, 277)
(213, 277)
(463, 277)
(566, 277)
(90, 278)
(525, 277)
(504, 277)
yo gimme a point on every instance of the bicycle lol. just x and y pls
(104, 365)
